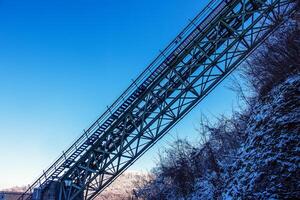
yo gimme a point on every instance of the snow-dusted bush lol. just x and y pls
(275, 61)
(188, 171)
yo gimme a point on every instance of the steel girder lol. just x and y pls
(209, 54)
(237, 31)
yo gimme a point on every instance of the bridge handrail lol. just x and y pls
(128, 92)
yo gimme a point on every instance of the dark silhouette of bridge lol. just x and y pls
(213, 44)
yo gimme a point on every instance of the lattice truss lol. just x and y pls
(209, 54)
(184, 81)
(195, 71)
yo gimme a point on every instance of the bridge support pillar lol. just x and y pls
(50, 192)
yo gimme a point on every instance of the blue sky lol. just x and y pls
(63, 61)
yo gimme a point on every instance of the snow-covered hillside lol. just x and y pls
(122, 188)
(269, 160)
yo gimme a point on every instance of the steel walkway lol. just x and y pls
(215, 42)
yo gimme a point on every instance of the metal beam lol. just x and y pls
(211, 47)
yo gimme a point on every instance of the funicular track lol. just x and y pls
(223, 34)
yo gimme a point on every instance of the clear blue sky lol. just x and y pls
(63, 61)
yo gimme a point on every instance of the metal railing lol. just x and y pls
(172, 50)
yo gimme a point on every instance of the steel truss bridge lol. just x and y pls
(215, 42)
